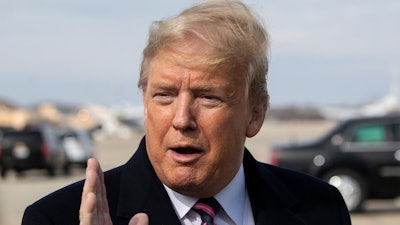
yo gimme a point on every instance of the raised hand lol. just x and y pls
(94, 204)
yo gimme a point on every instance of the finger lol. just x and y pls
(88, 208)
(94, 204)
(90, 181)
(101, 194)
(139, 219)
(87, 211)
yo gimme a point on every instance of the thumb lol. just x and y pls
(139, 219)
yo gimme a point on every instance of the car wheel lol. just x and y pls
(19, 172)
(350, 184)
(67, 168)
(3, 172)
(51, 171)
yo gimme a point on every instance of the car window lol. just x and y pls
(396, 132)
(33, 139)
(369, 133)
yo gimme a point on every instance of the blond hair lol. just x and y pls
(233, 36)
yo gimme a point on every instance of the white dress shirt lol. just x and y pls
(234, 201)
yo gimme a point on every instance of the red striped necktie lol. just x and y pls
(207, 208)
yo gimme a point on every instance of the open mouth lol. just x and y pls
(186, 151)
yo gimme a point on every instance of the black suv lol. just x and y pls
(35, 147)
(361, 157)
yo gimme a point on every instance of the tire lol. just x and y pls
(19, 172)
(51, 171)
(3, 172)
(67, 169)
(351, 185)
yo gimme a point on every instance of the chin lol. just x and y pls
(186, 185)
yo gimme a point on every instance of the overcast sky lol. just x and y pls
(80, 51)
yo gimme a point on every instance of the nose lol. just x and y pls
(184, 118)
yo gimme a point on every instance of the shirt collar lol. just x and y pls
(182, 203)
(232, 198)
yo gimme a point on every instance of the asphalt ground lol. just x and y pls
(18, 192)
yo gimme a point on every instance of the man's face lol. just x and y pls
(196, 125)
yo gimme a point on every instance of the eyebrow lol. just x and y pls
(216, 89)
(202, 87)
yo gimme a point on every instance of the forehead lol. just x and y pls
(166, 65)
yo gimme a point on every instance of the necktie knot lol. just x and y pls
(207, 208)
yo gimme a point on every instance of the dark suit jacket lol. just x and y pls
(278, 197)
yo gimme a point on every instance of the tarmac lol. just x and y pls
(18, 192)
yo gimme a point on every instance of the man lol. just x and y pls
(203, 79)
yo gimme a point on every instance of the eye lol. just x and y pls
(210, 100)
(208, 97)
(163, 97)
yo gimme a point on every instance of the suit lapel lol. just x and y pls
(271, 202)
(142, 191)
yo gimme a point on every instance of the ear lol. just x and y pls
(257, 118)
(144, 105)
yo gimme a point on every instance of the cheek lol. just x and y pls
(155, 118)
(227, 133)
(225, 137)
(226, 124)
